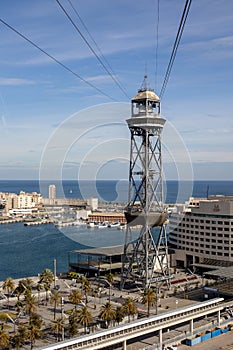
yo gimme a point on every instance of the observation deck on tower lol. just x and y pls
(145, 123)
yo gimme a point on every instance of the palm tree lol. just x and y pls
(39, 288)
(33, 334)
(9, 286)
(75, 297)
(46, 277)
(19, 338)
(87, 289)
(18, 307)
(130, 307)
(34, 328)
(94, 294)
(27, 283)
(107, 313)
(55, 300)
(4, 339)
(84, 317)
(120, 314)
(57, 326)
(72, 328)
(35, 320)
(30, 305)
(3, 318)
(110, 278)
(47, 288)
(19, 290)
(16, 341)
(82, 279)
(149, 298)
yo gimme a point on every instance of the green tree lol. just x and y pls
(30, 303)
(82, 279)
(55, 300)
(20, 337)
(57, 326)
(120, 314)
(34, 329)
(33, 334)
(72, 328)
(107, 313)
(3, 319)
(75, 297)
(4, 339)
(35, 320)
(46, 277)
(149, 299)
(18, 307)
(47, 288)
(16, 341)
(39, 288)
(19, 290)
(84, 317)
(110, 278)
(9, 286)
(87, 289)
(27, 283)
(130, 307)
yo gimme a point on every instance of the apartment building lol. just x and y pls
(22, 200)
(201, 232)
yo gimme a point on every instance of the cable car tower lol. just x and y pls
(145, 260)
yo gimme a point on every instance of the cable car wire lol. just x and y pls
(93, 40)
(57, 61)
(175, 46)
(157, 44)
(92, 50)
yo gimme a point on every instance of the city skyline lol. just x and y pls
(39, 99)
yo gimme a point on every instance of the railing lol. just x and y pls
(139, 327)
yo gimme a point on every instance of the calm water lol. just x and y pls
(26, 251)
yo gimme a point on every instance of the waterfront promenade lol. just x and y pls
(166, 303)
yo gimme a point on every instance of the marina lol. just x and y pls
(19, 243)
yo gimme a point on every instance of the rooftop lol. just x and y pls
(103, 251)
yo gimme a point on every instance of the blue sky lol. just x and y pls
(40, 102)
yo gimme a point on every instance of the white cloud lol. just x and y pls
(15, 81)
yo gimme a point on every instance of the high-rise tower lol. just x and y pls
(146, 259)
(52, 191)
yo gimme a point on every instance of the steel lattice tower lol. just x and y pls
(146, 259)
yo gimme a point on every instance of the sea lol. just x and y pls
(27, 250)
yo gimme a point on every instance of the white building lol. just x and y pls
(22, 201)
(201, 232)
(52, 191)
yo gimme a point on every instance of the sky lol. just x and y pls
(53, 124)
